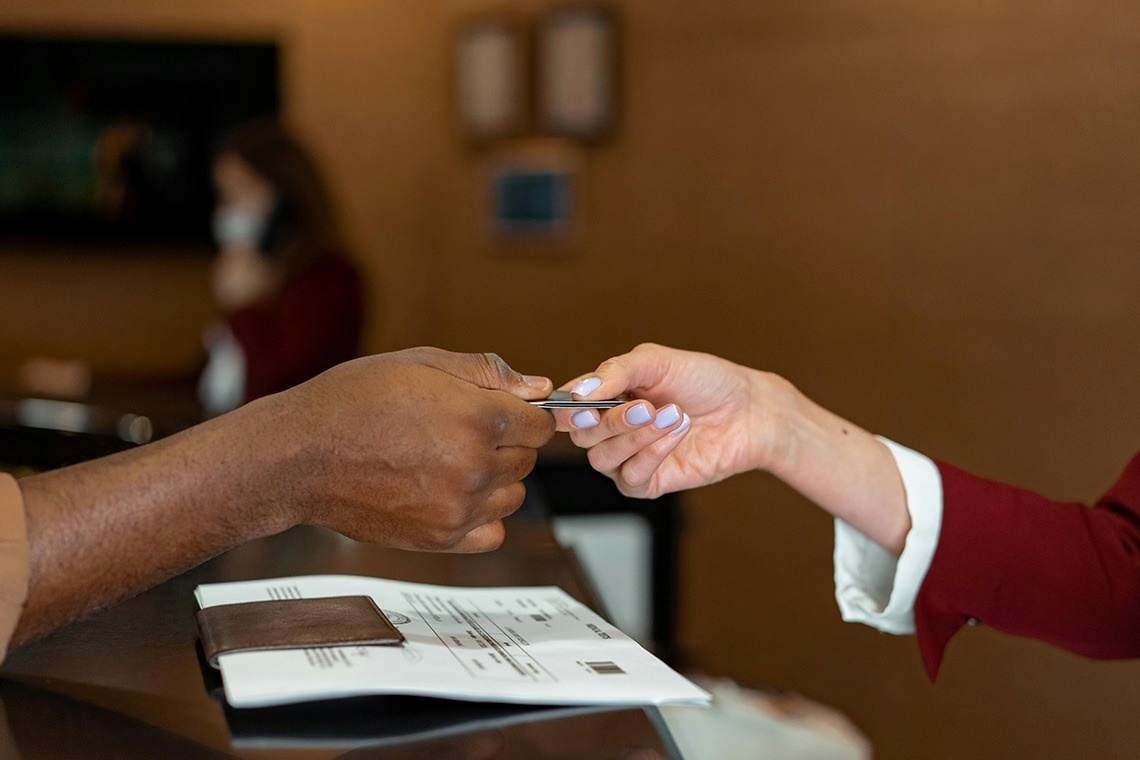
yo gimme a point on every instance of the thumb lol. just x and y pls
(491, 372)
(642, 368)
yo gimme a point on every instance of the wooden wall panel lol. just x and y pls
(924, 215)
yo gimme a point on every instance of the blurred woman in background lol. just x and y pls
(291, 299)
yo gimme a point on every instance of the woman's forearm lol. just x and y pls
(845, 470)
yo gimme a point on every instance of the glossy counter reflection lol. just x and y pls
(129, 682)
(80, 729)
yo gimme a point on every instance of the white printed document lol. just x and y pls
(535, 645)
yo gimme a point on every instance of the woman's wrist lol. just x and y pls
(841, 467)
(775, 418)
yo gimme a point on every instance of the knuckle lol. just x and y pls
(430, 538)
(646, 348)
(497, 425)
(498, 371)
(476, 479)
(449, 530)
(598, 460)
(635, 476)
(445, 540)
(626, 489)
(608, 365)
(495, 362)
(649, 353)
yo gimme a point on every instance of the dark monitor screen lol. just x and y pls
(111, 139)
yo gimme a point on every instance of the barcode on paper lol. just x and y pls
(606, 668)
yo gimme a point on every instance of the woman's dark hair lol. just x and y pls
(302, 224)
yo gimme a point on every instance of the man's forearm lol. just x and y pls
(418, 449)
(107, 529)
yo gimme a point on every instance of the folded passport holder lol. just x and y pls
(294, 624)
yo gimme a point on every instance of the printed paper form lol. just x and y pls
(513, 644)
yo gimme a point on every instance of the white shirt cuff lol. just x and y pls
(871, 585)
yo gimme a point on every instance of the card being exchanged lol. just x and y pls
(563, 400)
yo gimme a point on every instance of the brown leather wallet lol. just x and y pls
(294, 624)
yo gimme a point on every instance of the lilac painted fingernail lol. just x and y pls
(583, 419)
(683, 426)
(666, 417)
(586, 387)
(637, 415)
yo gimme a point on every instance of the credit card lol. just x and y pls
(563, 400)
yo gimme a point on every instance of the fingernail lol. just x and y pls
(684, 424)
(535, 381)
(583, 419)
(586, 387)
(637, 415)
(666, 417)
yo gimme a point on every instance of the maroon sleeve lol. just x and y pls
(313, 324)
(1064, 573)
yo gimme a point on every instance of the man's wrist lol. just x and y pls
(254, 464)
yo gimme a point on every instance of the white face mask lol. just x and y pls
(235, 226)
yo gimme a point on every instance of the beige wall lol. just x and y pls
(926, 216)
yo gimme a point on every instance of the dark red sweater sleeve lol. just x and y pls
(1064, 573)
(311, 325)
